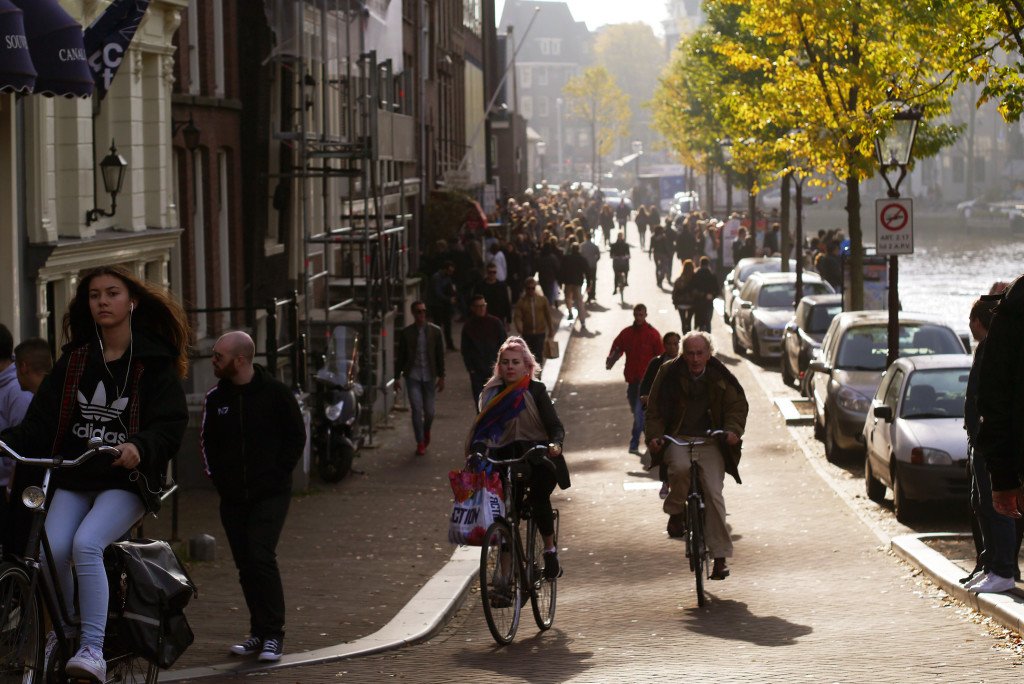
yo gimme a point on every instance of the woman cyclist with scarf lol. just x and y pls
(516, 414)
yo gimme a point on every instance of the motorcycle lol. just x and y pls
(336, 434)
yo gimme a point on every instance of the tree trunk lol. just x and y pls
(784, 220)
(854, 300)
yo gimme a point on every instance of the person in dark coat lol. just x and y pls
(671, 341)
(420, 358)
(441, 300)
(574, 272)
(497, 293)
(482, 337)
(706, 288)
(251, 438)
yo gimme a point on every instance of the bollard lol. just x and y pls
(202, 547)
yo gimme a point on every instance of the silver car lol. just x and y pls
(849, 365)
(916, 443)
(738, 275)
(764, 306)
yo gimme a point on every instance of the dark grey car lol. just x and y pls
(802, 336)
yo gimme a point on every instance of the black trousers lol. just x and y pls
(542, 483)
(253, 529)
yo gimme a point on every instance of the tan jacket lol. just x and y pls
(532, 315)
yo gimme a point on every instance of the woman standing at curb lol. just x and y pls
(119, 379)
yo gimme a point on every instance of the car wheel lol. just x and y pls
(787, 374)
(902, 506)
(873, 487)
(819, 424)
(755, 347)
(833, 452)
(737, 348)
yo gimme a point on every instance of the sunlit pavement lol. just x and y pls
(814, 594)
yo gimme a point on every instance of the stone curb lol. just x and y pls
(1006, 608)
(425, 614)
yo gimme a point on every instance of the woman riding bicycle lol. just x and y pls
(516, 413)
(620, 260)
(118, 379)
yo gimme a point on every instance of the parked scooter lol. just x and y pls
(336, 433)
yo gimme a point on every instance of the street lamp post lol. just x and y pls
(893, 150)
(542, 150)
(726, 145)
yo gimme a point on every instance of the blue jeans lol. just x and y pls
(79, 526)
(998, 532)
(421, 405)
(637, 409)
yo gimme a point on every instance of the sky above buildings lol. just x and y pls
(597, 13)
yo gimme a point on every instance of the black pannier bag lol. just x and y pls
(149, 590)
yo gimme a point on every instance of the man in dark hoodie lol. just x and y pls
(1001, 401)
(252, 437)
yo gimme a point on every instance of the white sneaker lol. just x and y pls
(992, 583)
(89, 663)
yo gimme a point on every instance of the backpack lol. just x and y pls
(149, 590)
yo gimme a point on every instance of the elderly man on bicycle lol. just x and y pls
(691, 395)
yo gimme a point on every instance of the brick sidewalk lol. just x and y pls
(352, 554)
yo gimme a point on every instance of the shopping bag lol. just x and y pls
(550, 348)
(478, 503)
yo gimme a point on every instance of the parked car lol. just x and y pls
(612, 197)
(802, 336)
(916, 444)
(763, 307)
(738, 275)
(848, 369)
(1001, 215)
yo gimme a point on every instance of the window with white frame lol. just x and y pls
(525, 77)
(526, 105)
(542, 75)
(542, 107)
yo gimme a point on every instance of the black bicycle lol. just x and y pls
(508, 572)
(696, 546)
(25, 592)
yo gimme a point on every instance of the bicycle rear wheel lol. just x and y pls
(500, 591)
(695, 545)
(21, 628)
(543, 592)
(130, 668)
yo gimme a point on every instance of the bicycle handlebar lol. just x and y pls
(694, 442)
(95, 447)
(526, 456)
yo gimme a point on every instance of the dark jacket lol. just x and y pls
(971, 398)
(1001, 391)
(405, 355)
(651, 373)
(252, 436)
(704, 283)
(574, 269)
(728, 407)
(154, 390)
(498, 296)
(482, 337)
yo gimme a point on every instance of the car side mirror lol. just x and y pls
(884, 412)
(819, 366)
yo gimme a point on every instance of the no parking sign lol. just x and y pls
(894, 226)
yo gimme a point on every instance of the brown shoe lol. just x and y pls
(676, 525)
(719, 571)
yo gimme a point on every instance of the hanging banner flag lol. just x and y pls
(107, 40)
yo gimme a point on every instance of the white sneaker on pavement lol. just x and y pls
(89, 663)
(992, 583)
(975, 580)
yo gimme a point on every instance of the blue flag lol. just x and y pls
(107, 40)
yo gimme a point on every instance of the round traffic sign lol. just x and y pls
(894, 217)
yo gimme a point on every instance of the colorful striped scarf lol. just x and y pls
(504, 406)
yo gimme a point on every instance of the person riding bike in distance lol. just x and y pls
(516, 413)
(690, 396)
(620, 260)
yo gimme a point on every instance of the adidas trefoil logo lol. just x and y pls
(98, 409)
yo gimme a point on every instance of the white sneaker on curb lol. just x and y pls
(992, 583)
(88, 662)
(250, 646)
(969, 584)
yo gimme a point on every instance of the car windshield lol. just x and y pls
(821, 316)
(935, 393)
(781, 295)
(864, 347)
(611, 193)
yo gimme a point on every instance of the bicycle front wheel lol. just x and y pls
(500, 591)
(695, 545)
(543, 592)
(21, 629)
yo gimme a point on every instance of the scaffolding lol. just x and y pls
(349, 150)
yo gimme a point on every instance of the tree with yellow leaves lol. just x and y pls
(594, 97)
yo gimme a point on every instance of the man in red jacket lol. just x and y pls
(640, 343)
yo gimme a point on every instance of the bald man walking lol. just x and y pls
(252, 437)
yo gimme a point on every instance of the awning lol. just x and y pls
(57, 48)
(16, 71)
(627, 159)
